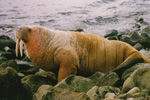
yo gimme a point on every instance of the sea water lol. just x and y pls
(93, 16)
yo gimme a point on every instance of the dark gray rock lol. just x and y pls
(146, 30)
(97, 77)
(139, 78)
(21, 75)
(124, 96)
(8, 79)
(2, 59)
(47, 92)
(134, 36)
(135, 93)
(111, 33)
(27, 67)
(10, 85)
(7, 49)
(10, 63)
(145, 33)
(32, 82)
(7, 54)
(93, 93)
(107, 89)
(110, 96)
(138, 46)
(8, 25)
(140, 98)
(47, 74)
(131, 38)
(6, 41)
(76, 84)
(104, 92)
(101, 79)
(145, 52)
(137, 26)
(26, 59)
(24, 64)
(127, 39)
(120, 34)
(141, 21)
(133, 90)
(78, 30)
(129, 71)
(145, 42)
(112, 38)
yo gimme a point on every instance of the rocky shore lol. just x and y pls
(20, 79)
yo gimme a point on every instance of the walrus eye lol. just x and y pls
(29, 30)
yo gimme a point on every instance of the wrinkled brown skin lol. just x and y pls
(74, 53)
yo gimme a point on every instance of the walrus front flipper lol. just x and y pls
(129, 63)
(65, 70)
(67, 60)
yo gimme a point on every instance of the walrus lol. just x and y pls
(68, 52)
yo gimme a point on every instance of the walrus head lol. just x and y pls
(22, 36)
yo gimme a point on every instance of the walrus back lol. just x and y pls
(99, 54)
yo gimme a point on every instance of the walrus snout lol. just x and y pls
(22, 35)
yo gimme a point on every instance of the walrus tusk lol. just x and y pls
(17, 47)
(21, 48)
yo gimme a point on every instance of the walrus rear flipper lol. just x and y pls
(129, 63)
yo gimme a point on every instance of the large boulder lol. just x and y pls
(111, 35)
(134, 36)
(120, 34)
(138, 46)
(98, 93)
(47, 74)
(10, 63)
(2, 59)
(93, 93)
(47, 92)
(139, 78)
(126, 38)
(129, 71)
(101, 79)
(27, 67)
(146, 32)
(8, 54)
(32, 82)
(6, 41)
(145, 53)
(108, 89)
(7, 47)
(76, 83)
(10, 85)
(136, 94)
